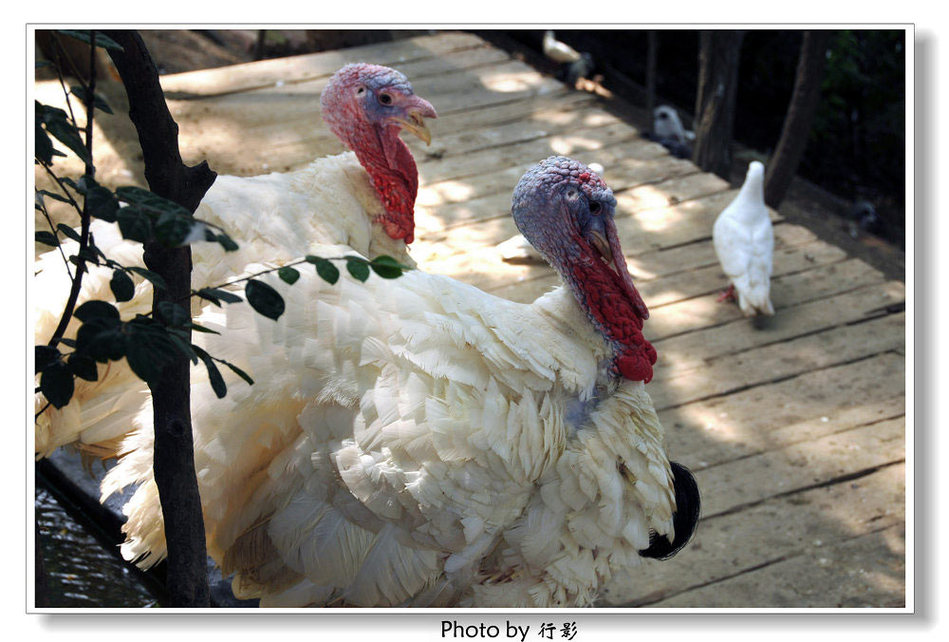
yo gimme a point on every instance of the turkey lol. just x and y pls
(363, 199)
(418, 442)
(744, 243)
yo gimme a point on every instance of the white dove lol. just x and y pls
(744, 243)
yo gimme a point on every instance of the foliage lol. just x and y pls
(148, 342)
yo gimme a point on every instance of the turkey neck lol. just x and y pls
(394, 176)
(615, 309)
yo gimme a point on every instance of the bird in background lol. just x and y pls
(574, 65)
(744, 243)
(363, 199)
(419, 442)
(669, 132)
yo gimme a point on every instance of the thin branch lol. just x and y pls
(84, 215)
(55, 233)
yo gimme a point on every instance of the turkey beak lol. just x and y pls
(602, 246)
(415, 119)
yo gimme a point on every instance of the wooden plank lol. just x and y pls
(629, 164)
(528, 281)
(711, 279)
(668, 288)
(710, 431)
(867, 571)
(247, 76)
(683, 352)
(788, 358)
(639, 232)
(750, 480)
(891, 405)
(769, 539)
(814, 288)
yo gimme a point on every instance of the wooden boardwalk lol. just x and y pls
(794, 427)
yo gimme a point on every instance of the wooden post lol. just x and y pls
(797, 123)
(651, 56)
(715, 102)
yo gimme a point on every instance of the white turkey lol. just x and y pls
(363, 199)
(419, 442)
(744, 242)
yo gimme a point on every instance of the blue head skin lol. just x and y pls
(566, 212)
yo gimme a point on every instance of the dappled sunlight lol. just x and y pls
(444, 192)
(512, 82)
(568, 145)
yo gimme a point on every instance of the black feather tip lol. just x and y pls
(684, 520)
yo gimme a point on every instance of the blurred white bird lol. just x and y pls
(744, 243)
(573, 64)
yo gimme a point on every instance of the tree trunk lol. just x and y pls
(715, 103)
(168, 177)
(797, 123)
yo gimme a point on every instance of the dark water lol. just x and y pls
(80, 572)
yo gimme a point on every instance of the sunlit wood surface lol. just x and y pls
(794, 428)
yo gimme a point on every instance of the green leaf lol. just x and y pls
(98, 102)
(201, 328)
(43, 148)
(90, 254)
(134, 224)
(150, 347)
(358, 268)
(173, 314)
(101, 40)
(149, 201)
(220, 237)
(240, 373)
(327, 271)
(57, 385)
(387, 267)
(173, 228)
(102, 338)
(288, 274)
(216, 295)
(155, 278)
(264, 299)
(96, 309)
(214, 375)
(102, 203)
(46, 238)
(70, 232)
(59, 126)
(122, 286)
(44, 356)
(83, 367)
(177, 337)
(53, 195)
